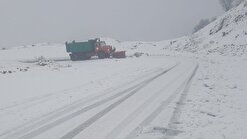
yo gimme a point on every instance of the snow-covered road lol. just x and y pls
(98, 102)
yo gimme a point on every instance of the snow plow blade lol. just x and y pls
(119, 54)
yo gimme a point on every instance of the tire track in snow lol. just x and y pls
(114, 133)
(57, 122)
(177, 112)
(37, 122)
(55, 114)
(30, 102)
(165, 103)
(93, 119)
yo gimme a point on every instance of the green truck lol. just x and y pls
(85, 50)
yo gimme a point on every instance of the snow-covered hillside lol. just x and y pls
(225, 36)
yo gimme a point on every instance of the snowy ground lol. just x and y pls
(162, 95)
(53, 100)
(216, 105)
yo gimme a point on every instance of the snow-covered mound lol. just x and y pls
(225, 36)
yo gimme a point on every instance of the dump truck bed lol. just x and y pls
(80, 47)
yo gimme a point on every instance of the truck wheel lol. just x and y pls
(88, 57)
(101, 55)
(73, 57)
(83, 56)
(107, 55)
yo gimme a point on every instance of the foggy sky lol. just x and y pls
(33, 21)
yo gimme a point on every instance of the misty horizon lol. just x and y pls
(29, 22)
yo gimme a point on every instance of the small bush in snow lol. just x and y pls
(203, 23)
(228, 4)
(138, 54)
(43, 62)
